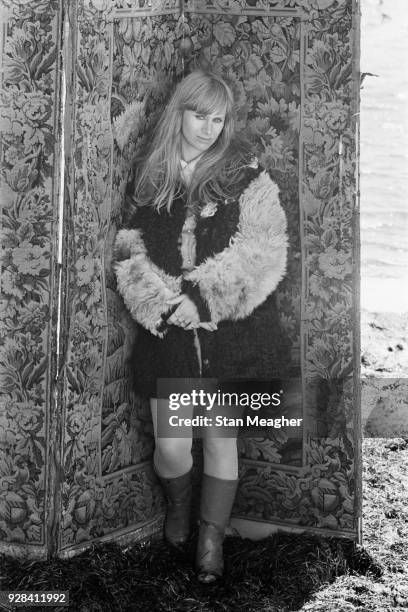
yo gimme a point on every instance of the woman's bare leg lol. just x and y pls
(172, 456)
(220, 456)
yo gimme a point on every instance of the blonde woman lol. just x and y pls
(197, 264)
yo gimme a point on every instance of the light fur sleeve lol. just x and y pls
(239, 278)
(145, 288)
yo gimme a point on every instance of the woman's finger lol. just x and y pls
(174, 320)
(209, 326)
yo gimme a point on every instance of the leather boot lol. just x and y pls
(178, 493)
(217, 498)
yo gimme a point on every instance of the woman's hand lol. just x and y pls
(186, 315)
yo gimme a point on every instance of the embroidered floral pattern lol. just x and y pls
(28, 107)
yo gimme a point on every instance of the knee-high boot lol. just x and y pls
(178, 493)
(217, 498)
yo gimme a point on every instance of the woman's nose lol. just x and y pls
(207, 127)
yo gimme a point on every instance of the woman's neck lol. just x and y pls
(189, 160)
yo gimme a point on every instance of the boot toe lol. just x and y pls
(209, 557)
(208, 577)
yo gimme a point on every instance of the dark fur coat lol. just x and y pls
(240, 259)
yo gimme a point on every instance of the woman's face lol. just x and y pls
(199, 132)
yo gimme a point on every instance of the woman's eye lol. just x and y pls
(200, 117)
(219, 120)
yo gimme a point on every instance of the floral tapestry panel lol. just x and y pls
(293, 64)
(109, 486)
(29, 174)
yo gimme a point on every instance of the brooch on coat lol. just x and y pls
(209, 210)
(254, 163)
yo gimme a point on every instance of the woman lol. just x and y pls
(204, 249)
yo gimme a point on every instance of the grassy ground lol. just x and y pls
(385, 529)
(281, 574)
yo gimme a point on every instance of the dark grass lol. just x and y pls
(277, 574)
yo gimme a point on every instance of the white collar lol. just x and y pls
(191, 164)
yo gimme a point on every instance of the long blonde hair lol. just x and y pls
(157, 182)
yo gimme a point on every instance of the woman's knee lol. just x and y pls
(221, 458)
(173, 449)
(220, 447)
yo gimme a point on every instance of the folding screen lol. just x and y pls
(292, 65)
